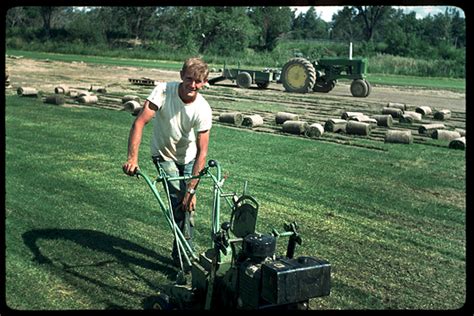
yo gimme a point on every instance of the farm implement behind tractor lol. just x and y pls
(302, 76)
(240, 270)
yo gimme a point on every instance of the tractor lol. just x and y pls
(301, 75)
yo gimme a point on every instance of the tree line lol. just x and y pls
(237, 29)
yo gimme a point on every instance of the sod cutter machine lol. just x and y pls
(240, 270)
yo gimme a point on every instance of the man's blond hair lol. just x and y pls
(197, 68)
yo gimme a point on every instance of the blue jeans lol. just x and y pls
(177, 190)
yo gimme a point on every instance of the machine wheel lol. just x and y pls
(298, 75)
(159, 302)
(359, 88)
(369, 86)
(324, 86)
(263, 85)
(244, 80)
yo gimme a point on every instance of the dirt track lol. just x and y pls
(46, 75)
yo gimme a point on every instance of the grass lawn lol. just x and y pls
(82, 235)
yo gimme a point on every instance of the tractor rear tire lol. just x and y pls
(244, 80)
(324, 86)
(298, 75)
(359, 88)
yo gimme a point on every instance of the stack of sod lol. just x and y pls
(57, 99)
(235, 118)
(442, 114)
(132, 106)
(295, 127)
(394, 112)
(428, 129)
(458, 143)
(384, 120)
(443, 134)
(335, 125)
(27, 92)
(358, 128)
(252, 120)
(281, 117)
(399, 136)
(314, 130)
(423, 110)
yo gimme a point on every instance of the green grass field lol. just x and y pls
(82, 235)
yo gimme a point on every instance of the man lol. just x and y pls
(182, 120)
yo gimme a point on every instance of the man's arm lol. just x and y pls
(135, 137)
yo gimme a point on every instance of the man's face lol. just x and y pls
(191, 85)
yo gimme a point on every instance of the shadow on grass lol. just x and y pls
(123, 252)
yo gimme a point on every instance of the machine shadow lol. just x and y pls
(123, 252)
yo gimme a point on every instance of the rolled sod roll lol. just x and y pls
(314, 130)
(54, 99)
(458, 143)
(295, 127)
(430, 128)
(72, 93)
(358, 128)
(100, 89)
(281, 117)
(132, 106)
(252, 120)
(129, 97)
(423, 110)
(461, 131)
(347, 115)
(232, 118)
(363, 118)
(61, 89)
(83, 93)
(27, 92)
(445, 134)
(409, 117)
(442, 114)
(384, 120)
(401, 106)
(394, 112)
(88, 99)
(399, 136)
(335, 125)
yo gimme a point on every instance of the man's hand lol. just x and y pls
(130, 168)
(189, 202)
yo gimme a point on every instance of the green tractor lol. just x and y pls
(301, 75)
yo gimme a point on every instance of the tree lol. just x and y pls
(271, 22)
(345, 26)
(371, 16)
(313, 25)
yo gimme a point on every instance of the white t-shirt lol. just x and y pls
(176, 123)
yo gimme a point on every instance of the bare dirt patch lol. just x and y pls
(45, 75)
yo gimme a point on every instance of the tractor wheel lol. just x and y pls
(244, 80)
(324, 86)
(298, 75)
(369, 86)
(263, 85)
(359, 88)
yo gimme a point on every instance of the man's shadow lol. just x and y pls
(124, 252)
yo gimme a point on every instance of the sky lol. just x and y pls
(326, 12)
